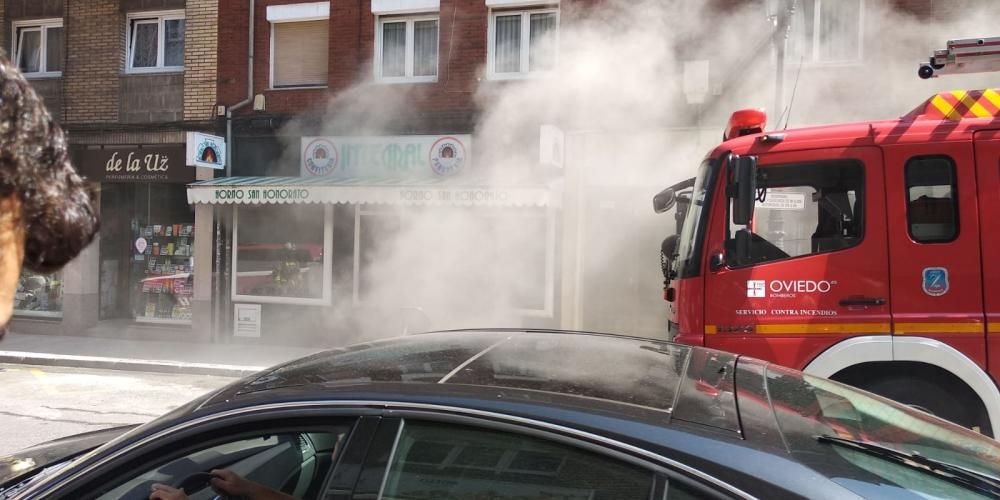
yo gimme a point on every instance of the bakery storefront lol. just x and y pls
(147, 232)
(377, 229)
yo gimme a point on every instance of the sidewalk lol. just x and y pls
(228, 360)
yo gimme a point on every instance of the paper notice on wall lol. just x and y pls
(246, 320)
(783, 201)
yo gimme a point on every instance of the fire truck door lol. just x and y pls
(816, 270)
(934, 248)
(988, 176)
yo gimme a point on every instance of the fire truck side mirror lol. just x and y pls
(744, 188)
(664, 200)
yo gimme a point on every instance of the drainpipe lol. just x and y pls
(223, 234)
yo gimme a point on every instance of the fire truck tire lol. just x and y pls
(939, 399)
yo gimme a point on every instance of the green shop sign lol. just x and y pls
(388, 156)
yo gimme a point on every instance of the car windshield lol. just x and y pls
(688, 247)
(807, 407)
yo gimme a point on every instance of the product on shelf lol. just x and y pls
(163, 272)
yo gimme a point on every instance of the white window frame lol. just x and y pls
(42, 26)
(549, 215)
(327, 295)
(408, 76)
(525, 47)
(159, 18)
(814, 58)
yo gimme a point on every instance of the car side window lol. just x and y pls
(439, 461)
(293, 463)
(802, 209)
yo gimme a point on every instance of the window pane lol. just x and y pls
(807, 209)
(173, 42)
(425, 48)
(393, 49)
(39, 292)
(293, 463)
(144, 44)
(435, 461)
(30, 51)
(839, 29)
(800, 37)
(933, 207)
(542, 37)
(507, 47)
(279, 251)
(54, 49)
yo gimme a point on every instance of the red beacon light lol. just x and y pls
(745, 122)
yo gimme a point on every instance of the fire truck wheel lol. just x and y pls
(950, 403)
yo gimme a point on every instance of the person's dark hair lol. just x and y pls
(57, 206)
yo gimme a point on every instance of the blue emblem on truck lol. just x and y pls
(935, 281)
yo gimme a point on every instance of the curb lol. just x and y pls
(142, 365)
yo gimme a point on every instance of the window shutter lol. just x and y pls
(301, 53)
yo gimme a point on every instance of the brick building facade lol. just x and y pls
(123, 90)
(829, 45)
(126, 79)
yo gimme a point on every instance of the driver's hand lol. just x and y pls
(164, 492)
(227, 482)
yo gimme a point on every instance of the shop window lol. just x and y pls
(162, 267)
(39, 294)
(827, 31)
(522, 43)
(156, 41)
(804, 210)
(38, 47)
(146, 253)
(300, 48)
(466, 259)
(406, 49)
(932, 204)
(282, 254)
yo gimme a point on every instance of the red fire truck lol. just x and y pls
(864, 252)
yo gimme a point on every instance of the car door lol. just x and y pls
(302, 457)
(429, 459)
(816, 271)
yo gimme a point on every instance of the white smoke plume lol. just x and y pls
(619, 95)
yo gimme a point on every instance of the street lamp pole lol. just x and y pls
(782, 19)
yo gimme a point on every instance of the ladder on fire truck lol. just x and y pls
(967, 55)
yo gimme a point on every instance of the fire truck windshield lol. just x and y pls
(689, 246)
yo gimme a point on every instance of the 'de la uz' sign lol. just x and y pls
(162, 163)
(388, 156)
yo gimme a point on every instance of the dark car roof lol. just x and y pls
(649, 399)
(638, 378)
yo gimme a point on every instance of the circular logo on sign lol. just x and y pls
(320, 157)
(141, 244)
(447, 156)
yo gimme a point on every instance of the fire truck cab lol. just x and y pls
(864, 252)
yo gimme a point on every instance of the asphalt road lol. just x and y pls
(40, 403)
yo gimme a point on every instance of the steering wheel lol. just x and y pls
(199, 481)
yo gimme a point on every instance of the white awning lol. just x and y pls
(429, 192)
(493, 4)
(312, 11)
(383, 7)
